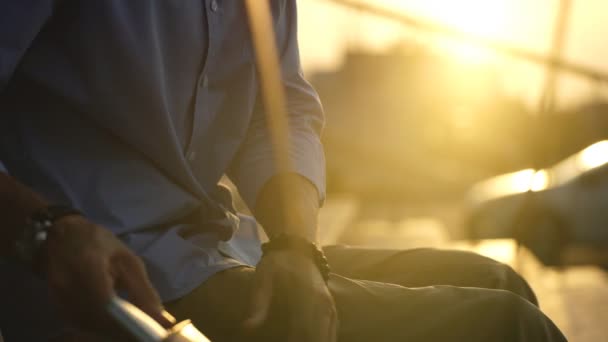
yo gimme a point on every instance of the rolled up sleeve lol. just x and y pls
(20, 22)
(254, 165)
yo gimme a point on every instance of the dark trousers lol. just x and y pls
(385, 295)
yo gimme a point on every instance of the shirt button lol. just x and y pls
(192, 156)
(214, 5)
(204, 82)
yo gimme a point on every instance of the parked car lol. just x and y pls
(548, 209)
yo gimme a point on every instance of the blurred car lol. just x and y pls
(546, 210)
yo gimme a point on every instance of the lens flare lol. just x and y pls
(594, 155)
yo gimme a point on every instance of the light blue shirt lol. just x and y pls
(132, 111)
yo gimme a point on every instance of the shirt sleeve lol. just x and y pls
(2, 168)
(20, 22)
(254, 164)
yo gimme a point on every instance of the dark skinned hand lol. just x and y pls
(85, 264)
(295, 278)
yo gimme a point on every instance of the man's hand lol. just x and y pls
(289, 277)
(85, 263)
(294, 280)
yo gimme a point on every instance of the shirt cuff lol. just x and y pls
(256, 168)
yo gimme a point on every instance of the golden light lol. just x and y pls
(468, 53)
(502, 250)
(540, 181)
(525, 180)
(594, 155)
(503, 185)
(189, 333)
(521, 181)
(486, 18)
(479, 17)
(482, 18)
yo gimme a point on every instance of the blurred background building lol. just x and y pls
(419, 120)
(415, 116)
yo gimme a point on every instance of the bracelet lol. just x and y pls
(301, 245)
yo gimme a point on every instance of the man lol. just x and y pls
(127, 113)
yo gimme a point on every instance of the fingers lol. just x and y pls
(315, 319)
(333, 328)
(327, 325)
(86, 282)
(168, 318)
(81, 290)
(301, 290)
(95, 277)
(77, 265)
(88, 262)
(132, 277)
(261, 300)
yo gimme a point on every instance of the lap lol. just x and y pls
(426, 267)
(388, 312)
(25, 302)
(412, 267)
(217, 307)
(390, 294)
(408, 308)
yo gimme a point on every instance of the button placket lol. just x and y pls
(200, 110)
(204, 83)
(204, 96)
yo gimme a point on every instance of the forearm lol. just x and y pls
(17, 202)
(295, 278)
(299, 197)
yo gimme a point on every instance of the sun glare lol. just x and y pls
(540, 181)
(594, 155)
(467, 53)
(481, 18)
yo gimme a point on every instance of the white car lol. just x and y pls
(548, 209)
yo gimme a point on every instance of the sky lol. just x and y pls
(327, 31)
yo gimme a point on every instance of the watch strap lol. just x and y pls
(302, 246)
(52, 213)
(36, 230)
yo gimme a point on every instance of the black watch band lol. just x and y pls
(36, 230)
(300, 245)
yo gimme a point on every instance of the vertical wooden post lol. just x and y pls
(272, 91)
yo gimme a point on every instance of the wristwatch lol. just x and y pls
(36, 231)
(298, 244)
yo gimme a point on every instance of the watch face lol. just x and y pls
(34, 235)
(40, 237)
